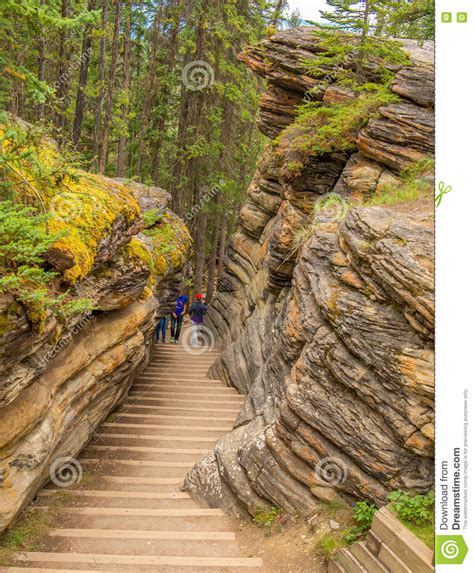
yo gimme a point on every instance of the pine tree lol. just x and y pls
(349, 15)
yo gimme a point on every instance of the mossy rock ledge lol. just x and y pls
(125, 252)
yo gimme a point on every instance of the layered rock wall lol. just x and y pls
(59, 381)
(332, 340)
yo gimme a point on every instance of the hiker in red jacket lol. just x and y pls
(197, 311)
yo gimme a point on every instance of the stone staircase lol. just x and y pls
(128, 513)
(389, 548)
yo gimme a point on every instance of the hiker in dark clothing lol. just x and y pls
(197, 311)
(178, 316)
(161, 327)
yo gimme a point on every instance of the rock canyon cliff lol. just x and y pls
(325, 308)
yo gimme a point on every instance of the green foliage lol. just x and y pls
(416, 512)
(24, 535)
(412, 186)
(151, 217)
(352, 15)
(323, 128)
(364, 71)
(363, 515)
(266, 518)
(406, 19)
(23, 242)
(27, 166)
(413, 509)
(27, 18)
(329, 544)
(396, 18)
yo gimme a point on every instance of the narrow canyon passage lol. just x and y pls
(128, 513)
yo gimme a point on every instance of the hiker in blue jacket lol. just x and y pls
(178, 316)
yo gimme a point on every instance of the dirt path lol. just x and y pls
(128, 513)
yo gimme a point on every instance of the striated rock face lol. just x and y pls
(332, 340)
(58, 383)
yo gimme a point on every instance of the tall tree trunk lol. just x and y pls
(211, 269)
(63, 75)
(165, 92)
(127, 44)
(41, 61)
(82, 80)
(110, 89)
(150, 87)
(100, 97)
(222, 246)
(200, 250)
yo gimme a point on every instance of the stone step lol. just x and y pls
(138, 560)
(114, 494)
(122, 499)
(170, 481)
(47, 567)
(142, 547)
(174, 369)
(147, 397)
(151, 383)
(416, 555)
(109, 468)
(184, 441)
(135, 512)
(184, 420)
(179, 394)
(367, 558)
(195, 409)
(109, 521)
(150, 449)
(143, 454)
(137, 534)
(182, 358)
(205, 431)
(138, 463)
(181, 380)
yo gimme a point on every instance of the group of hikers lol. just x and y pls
(196, 311)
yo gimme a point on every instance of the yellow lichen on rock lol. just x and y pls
(82, 206)
(171, 244)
